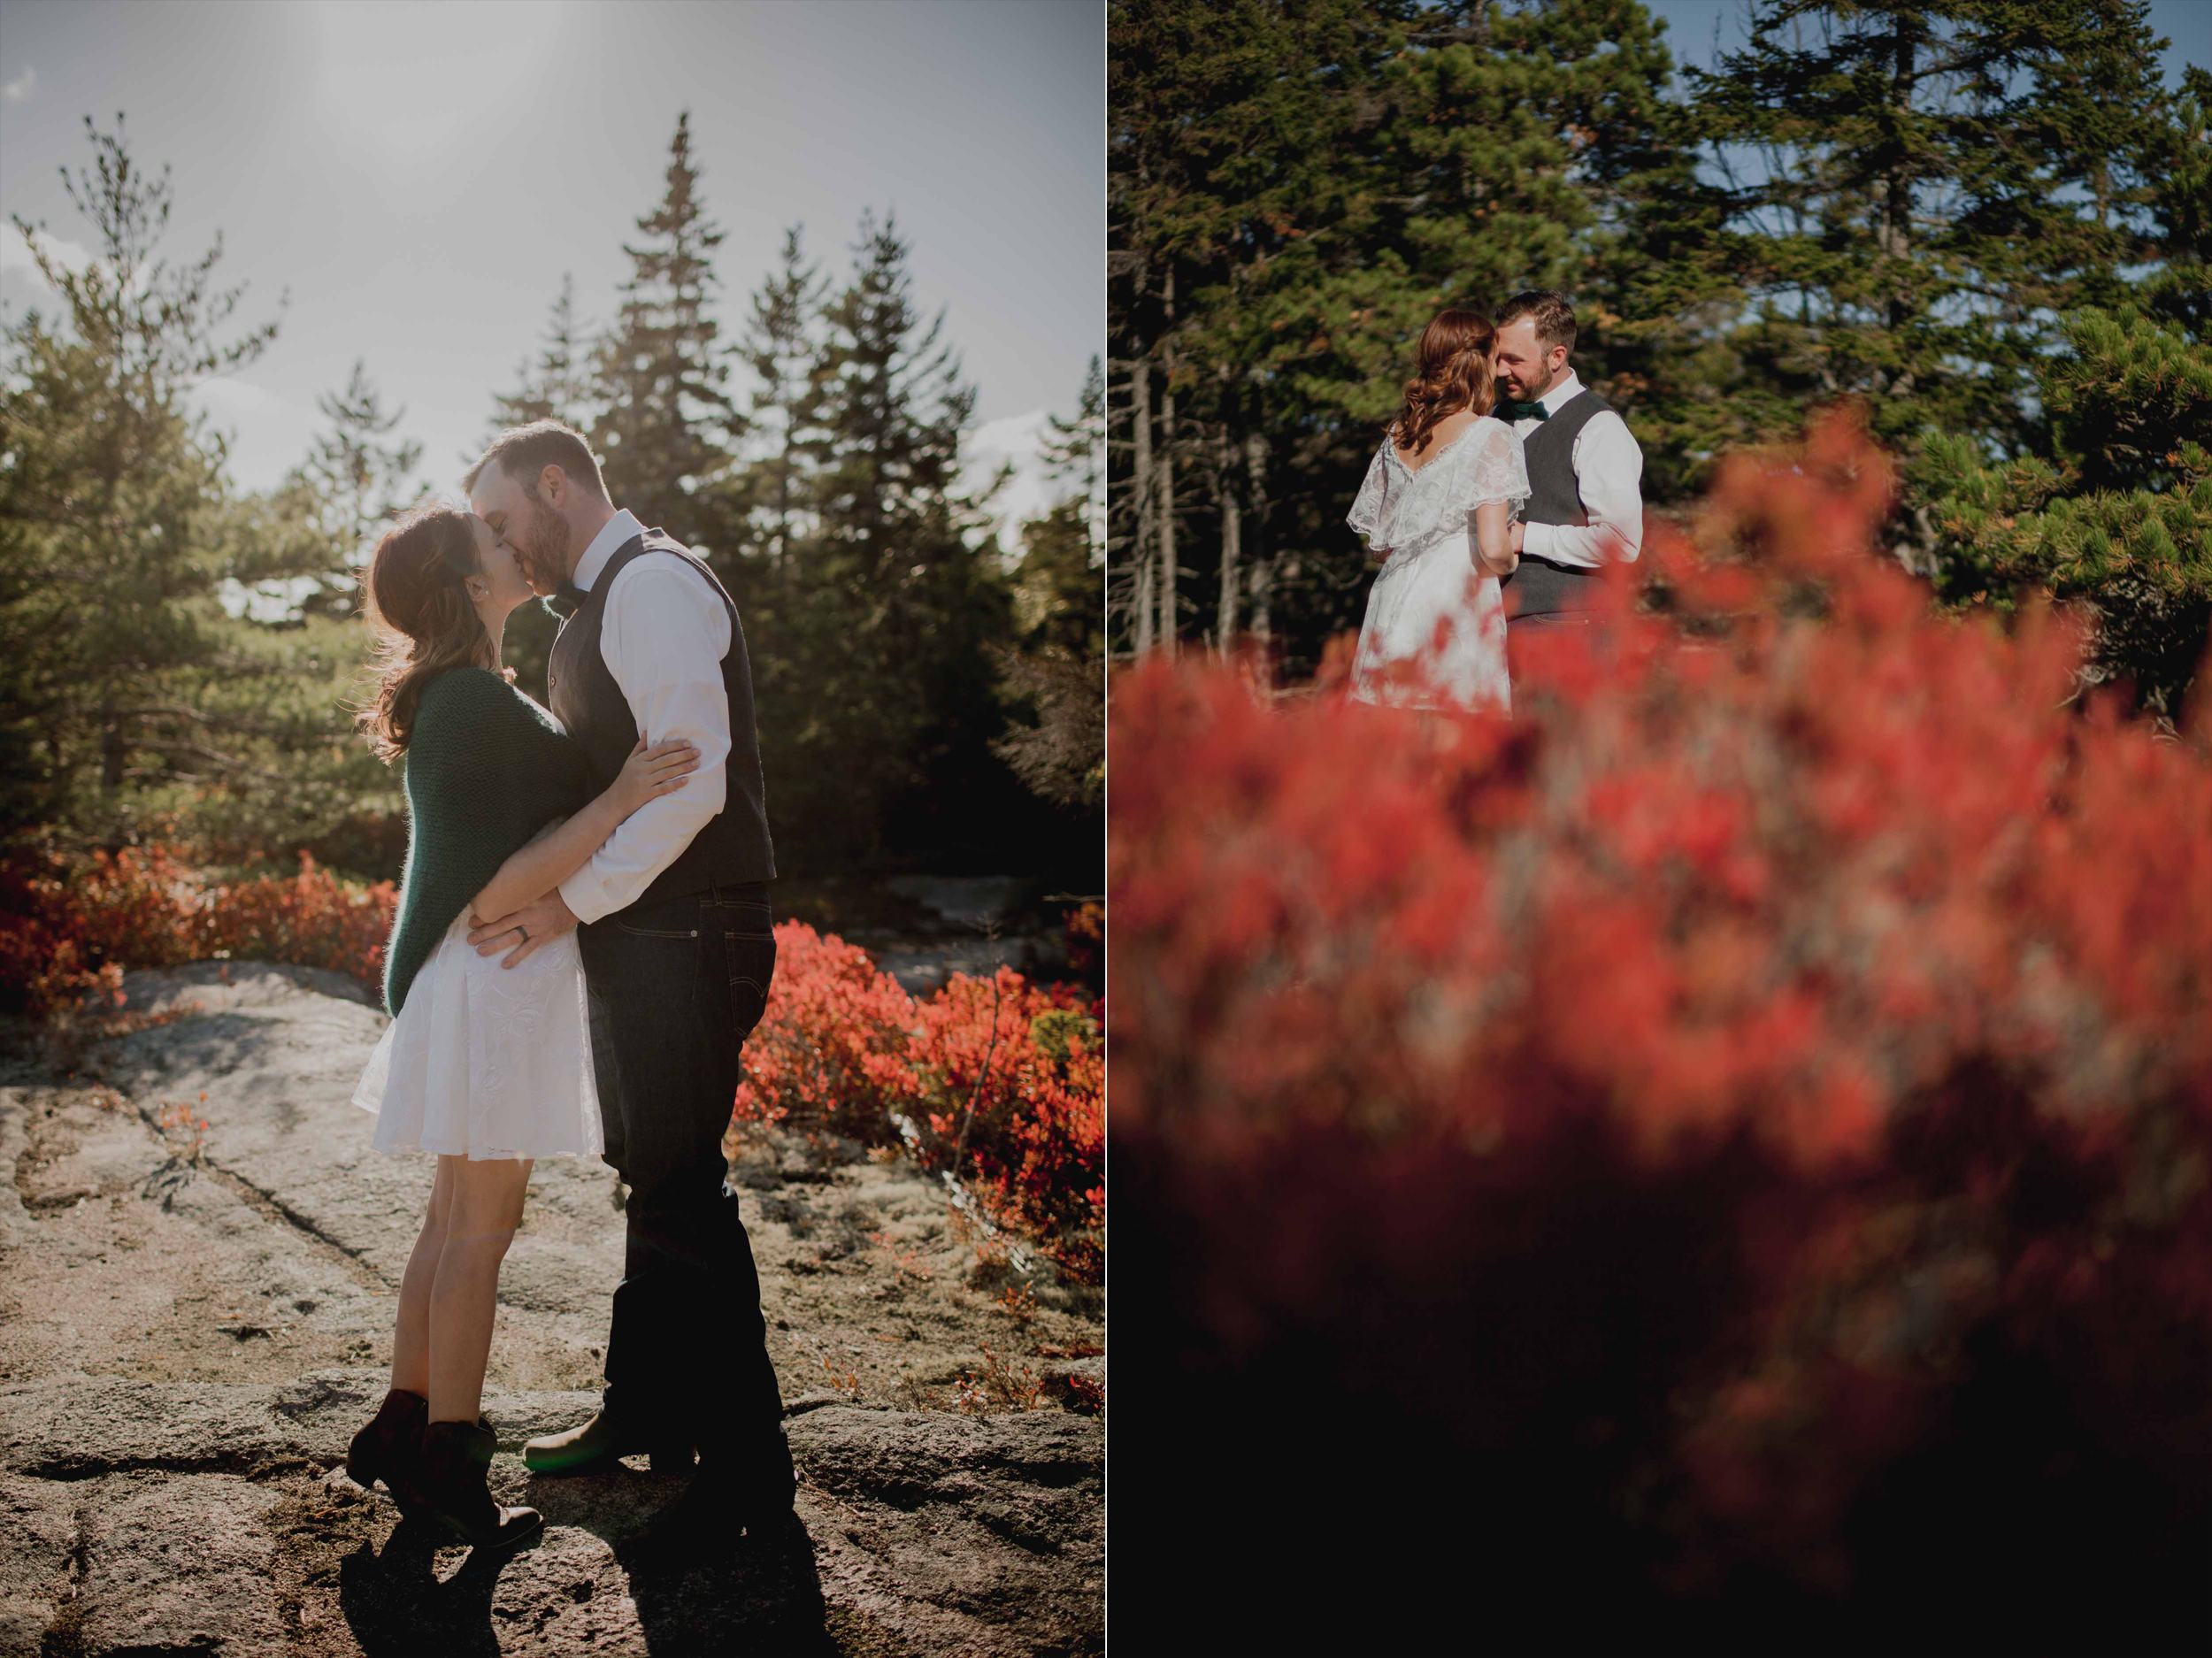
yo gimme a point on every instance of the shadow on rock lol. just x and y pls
(398, 1606)
(695, 1592)
(747, 1594)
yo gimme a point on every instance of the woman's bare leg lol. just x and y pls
(484, 1210)
(411, 1334)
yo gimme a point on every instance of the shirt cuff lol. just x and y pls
(1537, 540)
(586, 898)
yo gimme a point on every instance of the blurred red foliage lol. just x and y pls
(1755, 1104)
(69, 927)
(1001, 1079)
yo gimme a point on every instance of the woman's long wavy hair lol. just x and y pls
(422, 619)
(1455, 374)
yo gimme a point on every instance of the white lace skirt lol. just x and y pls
(1412, 594)
(487, 1061)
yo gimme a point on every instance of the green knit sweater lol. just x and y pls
(487, 768)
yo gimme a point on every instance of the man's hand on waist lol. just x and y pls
(523, 931)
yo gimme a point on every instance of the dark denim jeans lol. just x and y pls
(675, 991)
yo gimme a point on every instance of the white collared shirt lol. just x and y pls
(663, 634)
(1608, 469)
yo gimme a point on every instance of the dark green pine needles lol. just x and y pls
(487, 768)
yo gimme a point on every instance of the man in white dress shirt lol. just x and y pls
(678, 951)
(1585, 505)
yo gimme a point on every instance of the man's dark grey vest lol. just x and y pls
(732, 847)
(1539, 587)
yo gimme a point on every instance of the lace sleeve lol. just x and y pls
(1369, 507)
(1495, 469)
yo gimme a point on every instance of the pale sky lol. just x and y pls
(419, 174)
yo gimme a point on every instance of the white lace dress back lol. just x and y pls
(485, 1059)
(1435, 629)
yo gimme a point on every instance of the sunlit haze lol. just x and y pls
(419, 176)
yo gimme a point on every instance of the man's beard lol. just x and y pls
(1525, 392)
(543, 552)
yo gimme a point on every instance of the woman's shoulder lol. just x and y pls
(1493, 436)
(469, 705)
(468, 684)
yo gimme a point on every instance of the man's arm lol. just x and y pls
(664, 638)
(1608, 475)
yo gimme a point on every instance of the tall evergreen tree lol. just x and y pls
(360, 480)
(881, 727)
(1075, 451)
(1918, 188)
(133, 700)
(556, 386)
(665, 435)
(783, 346)
(110, 585)
(1059, 584)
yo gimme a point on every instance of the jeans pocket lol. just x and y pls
(751, 958)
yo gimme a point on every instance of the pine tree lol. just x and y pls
(881, 728)
(360, 480)
(138, 695)
(2121, 514)
(2112, 505)
(558, 385)
(1919, 187)
(1075, 450)
(783, 347)
(1059, 583)
(110, 585)
(665, 435)
(2180, 292)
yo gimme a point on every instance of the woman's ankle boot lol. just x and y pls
(450, 1493)
(388, 1447)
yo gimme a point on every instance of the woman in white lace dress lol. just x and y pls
(1436, 508)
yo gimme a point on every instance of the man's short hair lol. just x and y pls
(523, 452)
(1555, 317)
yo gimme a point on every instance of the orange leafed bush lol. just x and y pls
(1001, 1079)
(1755, 1106)
(66, 926)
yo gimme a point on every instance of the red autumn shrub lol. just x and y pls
(1742, 1123)
(830, 1052)
(1010, 1080)
(1001, 1079)
(66, 925)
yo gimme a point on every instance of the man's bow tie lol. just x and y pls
(565, 601)
(1523, 412)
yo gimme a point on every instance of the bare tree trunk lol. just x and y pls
(1895, 236)
(1140, 434)
(1262, 566)
(1232, 542)
(1171, 576)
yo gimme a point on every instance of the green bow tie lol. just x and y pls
(1513, 411)
(565, 602)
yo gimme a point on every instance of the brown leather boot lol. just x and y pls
(450, 1493)
(596, 1445)
(388, 1447)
